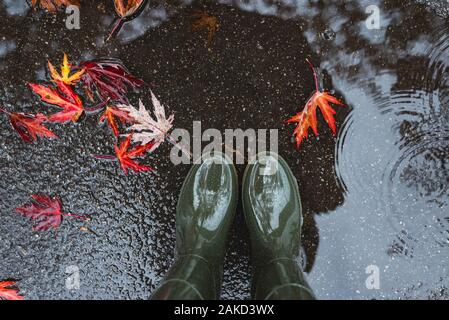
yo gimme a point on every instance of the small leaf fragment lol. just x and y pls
(54, 5)
(8, 291)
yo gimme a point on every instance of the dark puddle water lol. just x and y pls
(376, 195)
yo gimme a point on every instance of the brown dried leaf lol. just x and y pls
(204, 21)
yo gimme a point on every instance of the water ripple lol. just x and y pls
(417, 176)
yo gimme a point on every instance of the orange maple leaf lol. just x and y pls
(307, 118)
(126, 8)
(54, 5)
(64, 97)
(111, 114)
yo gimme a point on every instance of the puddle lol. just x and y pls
(375, 197)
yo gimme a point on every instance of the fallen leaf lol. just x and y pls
(65, 76)
(46, 211)
(125, 9)
(8, 291)
(149, 130)
(110, 79)
(86, 229)
(126, 156)
(307, 118)
(204, 21)
(54, 5)
(112, 114)
(62, 96)
(29, 127)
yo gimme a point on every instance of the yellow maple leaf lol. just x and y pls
(65, 76)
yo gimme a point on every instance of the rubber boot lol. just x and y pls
(273, 213)
(204, 213)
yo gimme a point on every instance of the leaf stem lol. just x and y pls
(97, 107)
(76, 216)
(315, 77)
(115, 29)
(104, 157)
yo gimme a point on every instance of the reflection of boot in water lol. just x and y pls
(273, 214)
(205, 211)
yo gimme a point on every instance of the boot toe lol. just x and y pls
(206, 205)
(272, 206)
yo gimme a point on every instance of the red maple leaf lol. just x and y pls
(46, 211)
(111, 114)
(29, 127)
(110, 79)
(7, 291)
(62, 96)
(126, 157)
(307, 118)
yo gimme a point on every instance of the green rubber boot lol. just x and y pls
(273, 213)
(205, 211)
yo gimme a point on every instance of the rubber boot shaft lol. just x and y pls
(204, 214)
(273, 213)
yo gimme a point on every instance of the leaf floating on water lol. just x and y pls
(8, 291)
(109, 79)
(149, 130)
(307, 118)
(54, 5)
(29, 127)
(46, 212)
(62, 96)
(125, 9)
(204, 21)
(65, 76)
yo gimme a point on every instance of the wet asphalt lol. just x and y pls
(252, 75)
